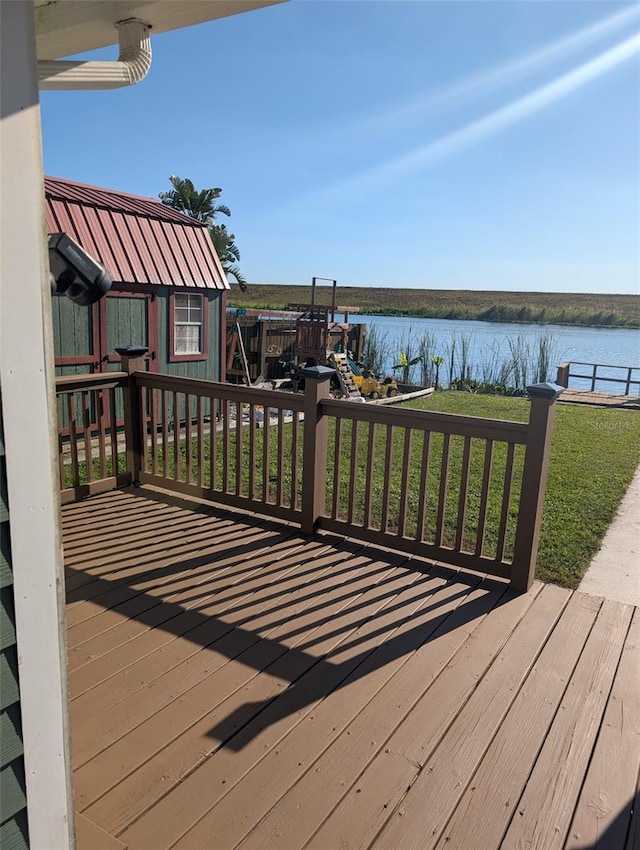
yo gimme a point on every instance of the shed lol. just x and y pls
(169, 288)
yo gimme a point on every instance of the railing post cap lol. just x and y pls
(547, 390)
(317, 373)
(131, 350)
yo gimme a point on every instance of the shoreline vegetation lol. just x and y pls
(542, 308)
(448, 363)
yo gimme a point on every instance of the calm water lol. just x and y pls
(489, 343)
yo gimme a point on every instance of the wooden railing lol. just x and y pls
(91, 457)
(225, 442)
(458, 489)
(592, 375)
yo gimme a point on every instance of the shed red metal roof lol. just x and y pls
(138, 240)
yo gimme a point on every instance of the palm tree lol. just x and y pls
(228, 252)
(201, 206)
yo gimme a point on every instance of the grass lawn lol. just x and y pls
(594, 454)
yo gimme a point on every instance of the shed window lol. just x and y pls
(188, 336)
(188, 326)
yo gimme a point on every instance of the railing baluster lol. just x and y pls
(73, 439)
(593, 377)
(86, 428)
(442, 495)
(462, 496)
(295, 448)
(280, 483)
(187, 436)
(153, 402)
(422, 493)
(386, 494)
(226, 442)
(113, 428)
(176, 435)
(627, 389)
(200, 438)
(102, 436)
(404, 482)
(368, 482)
(484, 497)
(353, 469)
(266, 460)
(165, 433)
(506, 498)
(251, 486)
(215, 406)
(238, 452)
(337, 468)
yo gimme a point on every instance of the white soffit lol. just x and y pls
(67, 27)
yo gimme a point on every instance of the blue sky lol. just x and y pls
(404, 143)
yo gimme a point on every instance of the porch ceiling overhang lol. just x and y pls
(67, 27)
(138, 240)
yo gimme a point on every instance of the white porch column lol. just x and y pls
(28, 406)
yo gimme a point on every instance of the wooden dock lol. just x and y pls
(235, 683)
(600, 399)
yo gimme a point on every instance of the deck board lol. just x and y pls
(546, 806)
(340, 768)
(486, 808)
(437, 766)
(236, 683)
(615, 764)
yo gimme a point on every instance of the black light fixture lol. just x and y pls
(74, 273)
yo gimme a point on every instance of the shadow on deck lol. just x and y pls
(236, 683)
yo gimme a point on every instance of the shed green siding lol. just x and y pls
(72, 328)
(13, 801)
(126, 322)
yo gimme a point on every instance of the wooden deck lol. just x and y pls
(600, 399)
(235, 683)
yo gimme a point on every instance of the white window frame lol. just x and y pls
(195, 306)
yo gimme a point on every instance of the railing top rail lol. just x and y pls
(232, 392)
(97, 381)
(599, 365)
(605, 378)
(445, 423)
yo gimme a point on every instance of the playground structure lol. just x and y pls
(272, 345)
